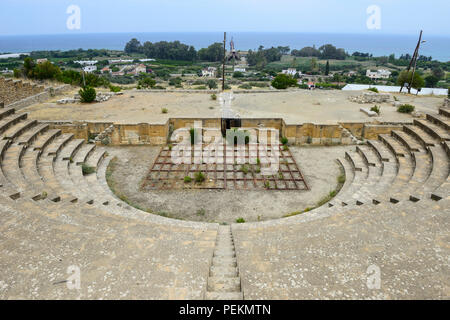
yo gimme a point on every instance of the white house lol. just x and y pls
(379, 74)
(140, 68)
(89, 69)
(120, 61)
(209, 72)
(87, 62)
(239, 68)
(39, 61)
(291, 72)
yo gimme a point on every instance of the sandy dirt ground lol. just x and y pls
(295, 107)
(225, 206)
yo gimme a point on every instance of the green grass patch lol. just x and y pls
(87, 169)
(327, 198)
(406, 108)
(199, 177)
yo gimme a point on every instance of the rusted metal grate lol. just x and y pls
(228, 173)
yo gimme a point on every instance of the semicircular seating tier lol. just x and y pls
(392, 212)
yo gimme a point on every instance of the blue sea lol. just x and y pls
(377, 44)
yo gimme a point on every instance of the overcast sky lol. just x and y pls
(334, 16)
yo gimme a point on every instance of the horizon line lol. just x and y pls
(369, 33)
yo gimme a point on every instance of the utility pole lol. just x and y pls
(224, 59)
(413, 63)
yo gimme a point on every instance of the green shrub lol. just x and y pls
(376, 109)
(240, 220)
(114, 88)
(283, 81)
(341, 179)
(87, 169)
(194, 135)
(406, 108)
(164, 110)
(213, 96)
(259, 84)
(284, 140)
(187, 179)
(199, 177)
(201, 212)
(87, 94)
(373, 89)
(147, 82)
(212, 84)
(245, 86)
(244, 169)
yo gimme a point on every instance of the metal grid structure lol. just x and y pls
(227, 173)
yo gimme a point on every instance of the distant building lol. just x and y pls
(140, 68)
(239, 68)
(379, 74)
(89, 69)
(116, 61)
(106, 70)
(210, 72)
(291, 72)
(39, 61)
(146, 60)
(7, 71)
(351, 73)
(87, 62)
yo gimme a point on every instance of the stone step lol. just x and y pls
(224, 253)
(69, 151)
(21, 127)
(83, 153)
(224, 261)
(439, 120)
(356, 160)
(55, 147)
(408, 141)
(29, 136)
(223, 284)
(96, 157)
(393, 144)
(381, 151)
(444, 112)
(8, 121)
(432, 129)
(44, 140)
(4, 112)
(220, 271)
(224, 296)
(424, 138)
(368, 155)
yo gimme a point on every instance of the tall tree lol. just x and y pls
(327, 68)
(407, 77)
(133, 46)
